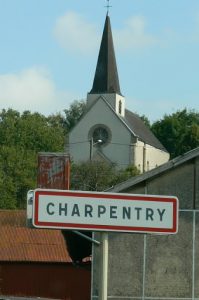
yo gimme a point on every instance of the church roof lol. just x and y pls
(106, 76)
(138, 127)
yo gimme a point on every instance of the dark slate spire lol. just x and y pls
(106, 76)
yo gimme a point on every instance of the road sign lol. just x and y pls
(96, 211)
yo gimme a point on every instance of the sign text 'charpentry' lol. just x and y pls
(95, 211)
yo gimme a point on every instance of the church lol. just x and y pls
(108, 131)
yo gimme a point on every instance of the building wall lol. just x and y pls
(121, 148)
(181, 182)
(57, 281)
(158, 266)
(113, 100)
(118, 150)
(147, 157)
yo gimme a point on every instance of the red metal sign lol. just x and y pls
(105, 211)
(53, 171)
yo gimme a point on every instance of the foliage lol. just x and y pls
(145, 120)
(98, 176)
(7, 191)
(178, 132)
(57, 121)
(21, 138)
(74, 113)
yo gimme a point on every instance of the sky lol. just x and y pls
(49, 50)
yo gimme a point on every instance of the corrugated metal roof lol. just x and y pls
(13, 217)
(19, 243)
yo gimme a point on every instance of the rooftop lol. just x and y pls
(19, 243)
(106, 76)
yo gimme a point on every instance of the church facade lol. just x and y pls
(108, 131)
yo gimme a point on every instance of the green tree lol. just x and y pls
(145, 120)
(74, 113)
(21, 138)
(178, 132)
(7, 191)
(40, 133)
(98, 176)
(58, 121)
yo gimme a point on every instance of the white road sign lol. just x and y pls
(96, 211)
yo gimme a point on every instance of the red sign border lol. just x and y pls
(100, 195)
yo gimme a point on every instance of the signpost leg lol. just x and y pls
(103, 280)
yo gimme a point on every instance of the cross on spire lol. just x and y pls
(108, 6)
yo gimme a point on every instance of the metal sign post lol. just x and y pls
(103, 278)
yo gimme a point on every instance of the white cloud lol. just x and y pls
(134, 35)
(32, 89)
(74, 33)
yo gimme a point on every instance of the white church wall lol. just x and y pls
(155, 157)
(117, 150)
(115, 100)
(147, 157)
(138, 155)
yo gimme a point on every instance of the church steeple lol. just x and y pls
(106, 79)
